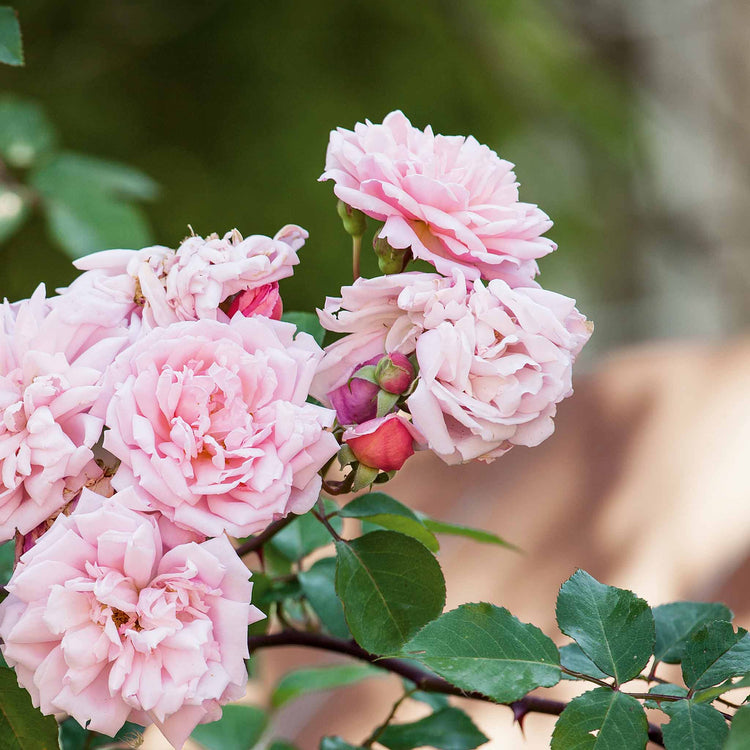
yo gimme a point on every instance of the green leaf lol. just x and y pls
(305, 534)
(336, 743)
(261, 587)
(571, 657)
(447, 729)
(319, 587)
(25, 132)
(707, 695)
(22, 727)
(603, 719)
(383, 510)
(676, 622)
(478, 535)
(110, 177)
(295, 684)
(239, 728)
(739, 734)
(7, 560)
(308, 323)
(14, 208)
(693, 726)
(613, 627)
(72, 736)
(390, 586)
(435, 701)
(85, 202)
(484, 648)
(11, 47)
(281, 745)
(714, 653)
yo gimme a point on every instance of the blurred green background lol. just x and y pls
(227, 107)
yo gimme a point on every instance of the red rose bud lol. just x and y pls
(394, 373)
(265, 301)
(383, 443)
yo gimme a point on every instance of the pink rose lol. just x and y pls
(210, 420)
(165, 286)
(46, 430)
(383, 443)
(265, 300)
(493, 361)
(453, 201)
(103, 624)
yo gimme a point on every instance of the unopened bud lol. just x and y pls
(383, 443)
(390, 259)
(354, 221)
(394, 373)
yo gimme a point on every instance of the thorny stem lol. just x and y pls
(423, 679)
(320, 513)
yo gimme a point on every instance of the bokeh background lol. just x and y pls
(629, 123)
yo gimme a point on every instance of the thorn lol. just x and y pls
(519, 714)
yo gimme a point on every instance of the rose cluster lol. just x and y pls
(148, 410)
(159, 404)
(468, 360)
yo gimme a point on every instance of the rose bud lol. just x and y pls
(354, 221)
(394, 373)
(264, 300)
(356, 401)
(383, 443)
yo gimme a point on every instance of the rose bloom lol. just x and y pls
(493, 361)
(450, 199)
(210, 419)
(105, 624)
(165, 286)
(46, 430)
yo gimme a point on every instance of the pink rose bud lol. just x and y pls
(383, 443)
(394, 373)
(356, 401)
(264, 300)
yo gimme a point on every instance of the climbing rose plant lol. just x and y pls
(162, 422)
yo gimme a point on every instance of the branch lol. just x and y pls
(423, 679)
(253, 543)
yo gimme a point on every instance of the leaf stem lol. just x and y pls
(588, 678)
(320, 514)
(388, 719)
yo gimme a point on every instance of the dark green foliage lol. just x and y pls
(676, 622)
(613, 627)
(601, 719)
(390, 586)
(239, 728)
(446, 729)
(22, 727)
(483, 648)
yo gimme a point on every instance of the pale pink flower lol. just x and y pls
(102, 624)
(165, 286)
(493, 361)
(46, 430)
(210, 420)
(450, 199)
